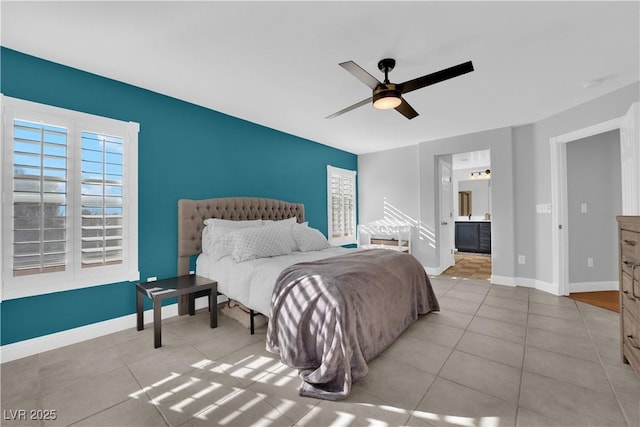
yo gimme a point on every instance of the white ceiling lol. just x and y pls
(276, 63)
(471, 160)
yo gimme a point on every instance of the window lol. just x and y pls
(69, 188)
(341, 193)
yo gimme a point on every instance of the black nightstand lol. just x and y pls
(175, 286)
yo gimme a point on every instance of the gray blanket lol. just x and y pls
(329, 317)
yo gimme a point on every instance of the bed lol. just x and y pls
(323, 303)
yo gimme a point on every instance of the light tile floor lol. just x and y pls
(494, 356)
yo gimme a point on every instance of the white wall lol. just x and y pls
(520, 159)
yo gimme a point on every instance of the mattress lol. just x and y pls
(251, 283)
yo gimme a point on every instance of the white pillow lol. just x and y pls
(286, 224)
(262, 242)
(206, 239)
(309, 239)
(215, 229)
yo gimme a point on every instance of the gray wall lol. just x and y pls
(593, 178)
(499, 141)
(607, 107)
(525, 183)
(406, 178)
(388, 184)
(521, 170)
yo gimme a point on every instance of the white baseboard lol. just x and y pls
(525, 282)
(32, 346)
(547, 287)
(434, 271)
(503, 280)
(594, 286)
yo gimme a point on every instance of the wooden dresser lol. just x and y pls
(629, 238)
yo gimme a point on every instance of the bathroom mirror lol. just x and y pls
(474, 198)
(464, 203)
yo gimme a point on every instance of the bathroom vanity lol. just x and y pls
(473, 236)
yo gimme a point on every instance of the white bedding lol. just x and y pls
(251, 282)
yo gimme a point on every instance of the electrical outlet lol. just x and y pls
(152, 279)
(589, 262)
(583, 207)
(520, 259)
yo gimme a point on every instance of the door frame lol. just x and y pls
(559, 193)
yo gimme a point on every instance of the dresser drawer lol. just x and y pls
(630, 253)
(630, 245)
(627, 268)
(630, 300)
(631, 340)
(630, 223)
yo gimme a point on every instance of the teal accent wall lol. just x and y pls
(185, 151)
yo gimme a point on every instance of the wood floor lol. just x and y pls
(474, 266)
(605, 299)
(478, 266)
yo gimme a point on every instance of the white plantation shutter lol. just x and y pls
(102, 200)
(39, 198)
(341, 188)
(69, 191)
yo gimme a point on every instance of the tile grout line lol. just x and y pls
(524, 352)
(437, 374)
(565, 355)
(168, 424)
(455, 349)
(602, 365)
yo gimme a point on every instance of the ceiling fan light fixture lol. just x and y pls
(387, 95)
(387, 99)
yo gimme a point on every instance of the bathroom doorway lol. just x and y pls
(471, 190)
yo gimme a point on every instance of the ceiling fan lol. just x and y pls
(387, 95)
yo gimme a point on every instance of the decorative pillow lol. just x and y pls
(215, 229)
(262, 242)
(309, 239)
(220, 244)
(286, 224)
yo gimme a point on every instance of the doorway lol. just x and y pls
(629, 127)
(471, 191)
(594, 199)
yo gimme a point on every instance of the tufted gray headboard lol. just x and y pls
(192, 213)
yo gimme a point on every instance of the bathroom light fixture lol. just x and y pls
(485, 174)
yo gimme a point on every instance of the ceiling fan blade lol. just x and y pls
(353, 107)
(437, 77)
(406, 110)
(359, 73)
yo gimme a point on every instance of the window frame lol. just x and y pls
(342, 240)
(74, 276)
